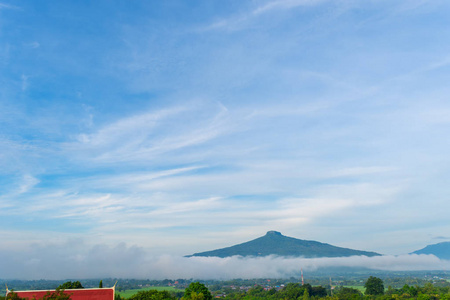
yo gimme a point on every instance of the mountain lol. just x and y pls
(441, 250)
(274, 243)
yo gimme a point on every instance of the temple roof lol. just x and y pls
(75, 294)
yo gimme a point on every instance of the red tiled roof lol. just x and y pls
(75, 294)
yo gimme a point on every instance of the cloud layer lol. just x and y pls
(73, 260)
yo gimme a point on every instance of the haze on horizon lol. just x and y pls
(155, 129)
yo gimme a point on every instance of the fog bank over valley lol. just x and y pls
(122, 261)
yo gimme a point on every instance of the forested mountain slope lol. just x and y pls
(274, 243)
(441, 250)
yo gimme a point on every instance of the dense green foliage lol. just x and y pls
(70, 285)
(118, 297)
(197, 290)
(344, 293)
(374, 286)
(56, 295)
(274, 243)
(290, 291)
(407, 292)
(152, 295)
(297, 291)
(12, 296)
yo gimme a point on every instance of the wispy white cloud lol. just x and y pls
(134, 180)
(360, 171)
(172, 199)
(18, 156)
(138, 126)
(24, 79)
(145, 136)
(28, 183)
(238, 21)
(284, 4)
(279, 111)
(33, 45)
(8, 6)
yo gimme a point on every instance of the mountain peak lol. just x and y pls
(274, 243)
(273, 232)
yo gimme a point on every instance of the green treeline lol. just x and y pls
(70, 285)
(374, 290)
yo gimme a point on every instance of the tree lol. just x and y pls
(424, 297)
(197, 296)
(346, 293)
(257, 291)
(374, 286)
(198, 288)
(70, 285)
(318, 291)
(100, 285)
(13, 296)
(152, 295)
(293, 291)
(305, 295)
(57, 295)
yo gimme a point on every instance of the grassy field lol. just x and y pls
(358, 287)
(129, 293)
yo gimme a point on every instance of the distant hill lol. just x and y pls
(274, 243)
(441, 250)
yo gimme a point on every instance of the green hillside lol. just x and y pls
(274, 243)
(441, 250)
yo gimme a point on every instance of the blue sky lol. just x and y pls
(185, 126)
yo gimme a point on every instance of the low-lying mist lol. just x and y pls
(72, 260)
